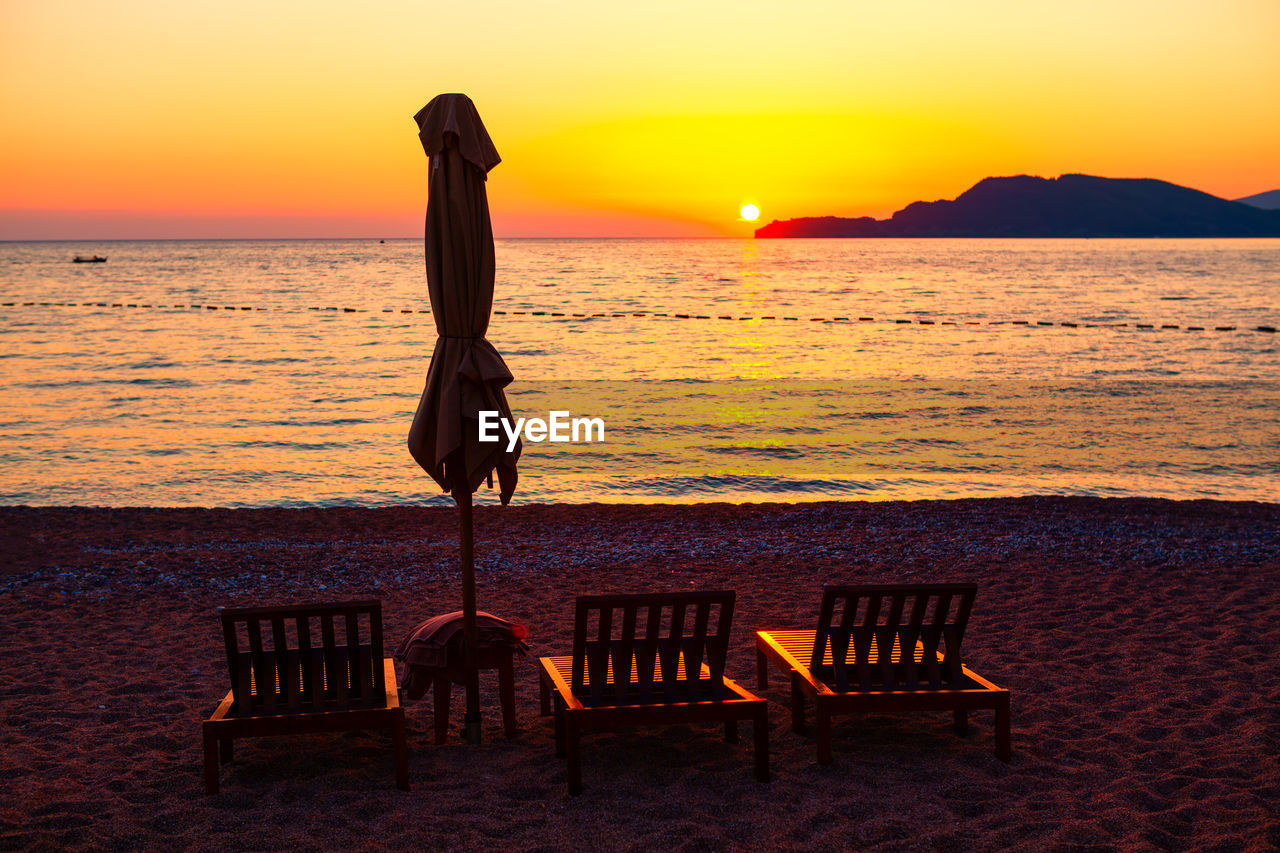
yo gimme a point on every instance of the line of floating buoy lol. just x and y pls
(661, 315)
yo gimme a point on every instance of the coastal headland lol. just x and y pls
(1067, 206)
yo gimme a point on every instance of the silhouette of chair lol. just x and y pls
(648, 659)
(307, 668)
(883, 648)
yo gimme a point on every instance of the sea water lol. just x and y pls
(284, 373)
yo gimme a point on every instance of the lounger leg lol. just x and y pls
(760, 729)
(210, 762)
(574, 752)
(560, 712)
(797, 704)
(402, 752)
(961, 722)
(544, 696)
(507, 695)
(824, 732)
(1003, 749)
(225, 751)
(442, 687)
(731, 731)
(762, 670)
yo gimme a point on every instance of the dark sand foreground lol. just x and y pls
(1140, 640)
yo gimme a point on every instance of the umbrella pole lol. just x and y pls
(466, 524)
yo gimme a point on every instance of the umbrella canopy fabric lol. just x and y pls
(467, 374)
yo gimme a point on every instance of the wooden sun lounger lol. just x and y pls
(854, 661)
(647, 660)
(308, 668)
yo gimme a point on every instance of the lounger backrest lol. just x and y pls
(886, 637)
(311, 657)
(650, 647)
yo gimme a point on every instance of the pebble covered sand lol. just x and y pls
(1139, 639)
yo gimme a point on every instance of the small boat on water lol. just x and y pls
(91, 259)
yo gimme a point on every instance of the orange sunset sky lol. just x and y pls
(153, 118)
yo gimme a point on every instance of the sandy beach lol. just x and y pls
(1138, 637)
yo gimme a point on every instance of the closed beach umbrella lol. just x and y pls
(467, 374)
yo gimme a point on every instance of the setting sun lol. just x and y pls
(750, 212)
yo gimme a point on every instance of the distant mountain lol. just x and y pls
(1068, 206)
(1269, 200)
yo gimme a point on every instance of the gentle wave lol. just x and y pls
(676, 487)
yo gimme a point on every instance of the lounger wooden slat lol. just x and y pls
(648, 675)
(695, 647)
(376, 653)
(935, 635)
(598, 662)
(670, 651)
(302, 627)
(647, 656)
(300, 688)
(360, 693)
(282, 661)
(894, 657)
(887, 637)
(257, 664)
(624, 653)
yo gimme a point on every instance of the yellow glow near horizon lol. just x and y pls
(615, 118)
(750, 212)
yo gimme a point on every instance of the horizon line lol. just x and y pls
(6, 240)
(337, 239)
